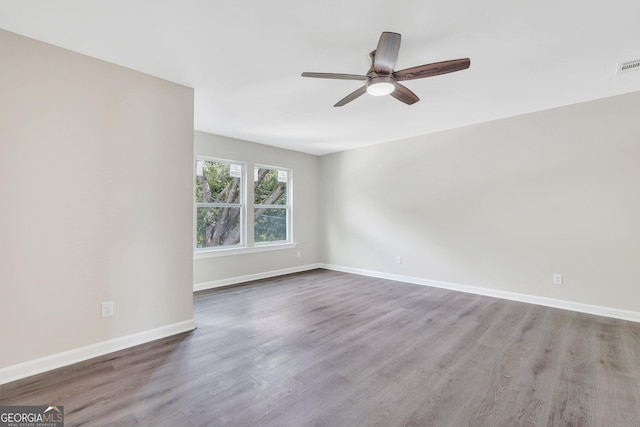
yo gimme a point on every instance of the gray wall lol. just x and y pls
(305, 210)
(96, 188)
(500, 205)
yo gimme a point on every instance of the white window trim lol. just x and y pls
(235, 250)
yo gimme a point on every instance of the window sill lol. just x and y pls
(244, 250)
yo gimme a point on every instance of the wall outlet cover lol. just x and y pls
(107, 309)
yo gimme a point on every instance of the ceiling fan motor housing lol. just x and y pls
(380, 85)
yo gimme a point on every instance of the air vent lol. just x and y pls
(625, 67)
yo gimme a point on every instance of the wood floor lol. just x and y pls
(324, 348)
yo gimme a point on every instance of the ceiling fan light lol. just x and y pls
(380, 88)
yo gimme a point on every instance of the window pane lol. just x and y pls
(218, 227)
(217, 182)
(270, 225)
(270, 186)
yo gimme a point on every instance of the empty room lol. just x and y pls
(319, 213)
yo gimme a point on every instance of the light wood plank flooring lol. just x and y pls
(324, 348)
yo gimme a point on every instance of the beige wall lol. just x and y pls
(304, 204)
(96, 192)
(500, 205)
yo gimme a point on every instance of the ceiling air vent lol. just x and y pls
(625, 67)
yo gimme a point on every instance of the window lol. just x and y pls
(219, 203)
(271, 204)
(226, 203)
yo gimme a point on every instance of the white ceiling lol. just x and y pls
(244, 58)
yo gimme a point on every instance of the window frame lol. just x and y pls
(247, 197)
(286, 207)
(242, 205)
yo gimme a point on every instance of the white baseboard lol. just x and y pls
(615, 313)
(58, 360)
(250, 277)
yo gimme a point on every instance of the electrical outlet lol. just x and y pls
(299, 254)
(398, 259)
(107, 309)
(557, 279)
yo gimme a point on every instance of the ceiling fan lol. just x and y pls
(382, 80)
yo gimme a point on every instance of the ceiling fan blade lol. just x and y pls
(353, 95)
(386, 53)
(429, 70)
(402, 93)
(335, 76)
